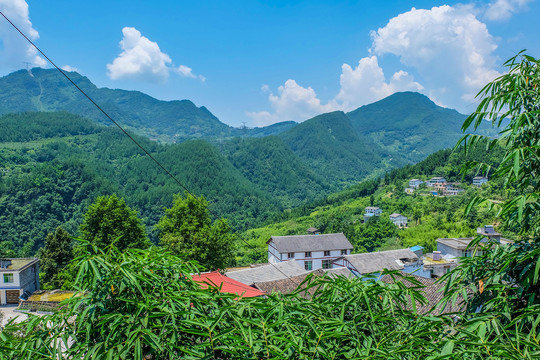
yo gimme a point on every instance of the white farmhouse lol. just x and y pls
(479, 180)
(311, 251)
(399, 220)
(18, 276)
(436, 180)
(415, 183)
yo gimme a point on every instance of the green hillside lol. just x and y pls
(429, 217)
(333, 150)
(409, 125)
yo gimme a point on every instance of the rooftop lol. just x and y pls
(267, 272)
(394, 215)
(11, 264)
(226, 284)
(300, 243)
(456, 243)
(377, 261)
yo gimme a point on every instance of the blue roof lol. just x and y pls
(416, 248)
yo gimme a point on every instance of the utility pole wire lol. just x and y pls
(135, 141)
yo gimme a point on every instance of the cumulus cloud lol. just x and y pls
(292, 102)
(504, 9)
(366, 83)
(143, 59)
(448, 46)
(15, 50)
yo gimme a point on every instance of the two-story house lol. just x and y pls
(435, 180)
(17, 276)
(311, 251)
(415, 183)
(458, 246)
(399, 220)
(479, 180)
(371, 211)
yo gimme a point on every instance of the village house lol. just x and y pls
(437, 264)
(435, 180)
(18, 277)
(415, 183)
(375, 262)
(399, 220)
(311, 251)
(479, 181)
(457, 247)
(226, 284)
(260, 273)
(452, 189)
(371, 211)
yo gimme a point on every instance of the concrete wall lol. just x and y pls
(445, 249)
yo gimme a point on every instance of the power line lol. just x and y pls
(135, 141)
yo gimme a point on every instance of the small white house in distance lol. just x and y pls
(479, 180)
(436, 180)
(18, 276)
(415, 183)
(399, 220)
(373, 210)
(311, 251)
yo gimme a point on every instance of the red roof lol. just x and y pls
(226, 284)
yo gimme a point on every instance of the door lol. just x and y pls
(12, 296)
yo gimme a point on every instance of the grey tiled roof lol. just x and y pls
(301, 243)
(377, 261)
(432, 290)
(268, 272)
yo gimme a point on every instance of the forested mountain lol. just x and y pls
(331, 147)
(409, 125)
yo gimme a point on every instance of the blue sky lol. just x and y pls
(261, 62)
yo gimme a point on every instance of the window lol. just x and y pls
(344, 252)
(308, 254)
(290, 255)
(8, 278)
(308, 265)
(327, 264)
(326, 252)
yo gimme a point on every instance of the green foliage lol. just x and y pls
(504, 282)
(54, 257)
(142, 304)
(187, 229)
(110, 221)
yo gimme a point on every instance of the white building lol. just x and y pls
(399, 220)
(18, 276)
(311, 251)
(479, 181)
(436, 180)
(415, 183)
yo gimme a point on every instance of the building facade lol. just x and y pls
(311, 251)
(18, 276)
(399, 220)
(415, 183)
(479, 181)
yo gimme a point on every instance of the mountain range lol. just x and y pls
(247, 174)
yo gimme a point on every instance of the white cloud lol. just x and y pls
(15, 50)
(366, 83)
(504, 9)
(292, 102)
(142, 58)
(70, 68)
(448, 46)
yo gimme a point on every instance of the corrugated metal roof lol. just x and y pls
(269, 272)
(300, 243)
(377, 261)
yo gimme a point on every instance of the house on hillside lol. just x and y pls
(452, 189)
(399, 220)
(311, 251)
(415, 183)
(478, 181)
(435, 180)
(375, 262)
(371, 211)
(313, 231)
(18, 277)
